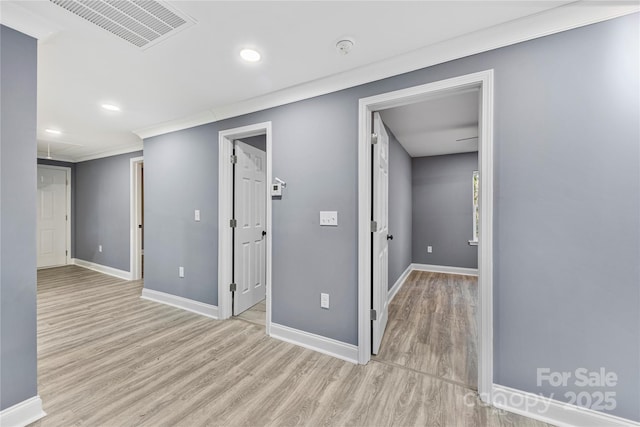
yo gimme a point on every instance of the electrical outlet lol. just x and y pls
(99, 248)
(324, 300)
(180, 271)
(429, 249)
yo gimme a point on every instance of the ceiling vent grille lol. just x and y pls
(143, 23)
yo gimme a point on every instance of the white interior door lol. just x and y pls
(249, 263)
(381, 218)
(52, 217)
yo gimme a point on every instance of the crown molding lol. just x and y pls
(563, 18)
(109, 153)
(20, 19)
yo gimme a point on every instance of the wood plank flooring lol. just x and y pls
(108, 358)
(256, 314)
(432, 327)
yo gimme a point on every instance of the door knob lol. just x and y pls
(264, 233)
(389, 236)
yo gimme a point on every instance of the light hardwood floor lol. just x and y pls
(432, 327)
(108, 358)
(256, 314)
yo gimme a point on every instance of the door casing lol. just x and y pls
(135, 206)
(67, 207)
(483, 81)
(225, 212)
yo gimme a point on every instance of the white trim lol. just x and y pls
(445, 269)
(23, 413)
(225, 210)
(563, 18)
(55, 158)
(20, 19)
(110, 271)
(485, 238)
(553, 411)
(193, 306)
(484, 81)
(134, 207)
(67, 259)
(129, 148)
(399, 283)
(335, 348)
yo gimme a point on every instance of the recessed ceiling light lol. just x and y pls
(53, 131)
(110, 107)
(250, 55)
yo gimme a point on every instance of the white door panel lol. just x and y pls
(380, 243)
(249, 207)
(52, 217)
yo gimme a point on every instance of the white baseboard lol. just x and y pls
(197, 307)
(553, 411)
(445, 269)
(120, 274)
(23, 413)
(339, 349)
(396, 286)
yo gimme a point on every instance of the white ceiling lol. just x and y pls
(198, 71)
(434, 127)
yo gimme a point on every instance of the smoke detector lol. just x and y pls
(344, 46)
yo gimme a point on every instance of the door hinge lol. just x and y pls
(374, 226)
(233, 223)
(234, 159)
(66, 217)
(66, 253)
(373, 315)
(232, 287)
(374, 138)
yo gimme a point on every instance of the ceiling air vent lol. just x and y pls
(143, 23)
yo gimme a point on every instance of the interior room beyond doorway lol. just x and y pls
(432, 224)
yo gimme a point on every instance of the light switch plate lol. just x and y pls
(324, 300)
(180, 271)
(197, 215)
(329, 218)
(429, 249)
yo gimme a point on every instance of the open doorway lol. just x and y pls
(244, 214)
(374, 233)
(429, 151)
(249, 231)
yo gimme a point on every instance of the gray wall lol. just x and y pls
(102, 210)
(399, 209)
(259, 142)
(72, 166)
(566, 204)
(181, 175)
(442, 210)
(18, 71)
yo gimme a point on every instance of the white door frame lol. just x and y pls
(484, 81)
(67, 259)
(225, 211)
(135, 239)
